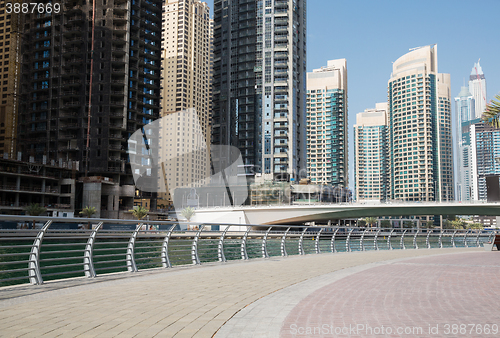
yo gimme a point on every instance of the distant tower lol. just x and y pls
(327, 124)
(419, 120)
(477, 86)
(186, 72)
(370, 153)
(464, 104)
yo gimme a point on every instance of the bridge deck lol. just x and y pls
(197, 301)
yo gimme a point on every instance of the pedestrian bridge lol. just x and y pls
(293, 214)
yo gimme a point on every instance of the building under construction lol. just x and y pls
(90, 77)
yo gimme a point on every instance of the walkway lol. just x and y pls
(263, 298)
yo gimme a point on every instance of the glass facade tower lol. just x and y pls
(419, 122)
(327, 124)
(259, 83)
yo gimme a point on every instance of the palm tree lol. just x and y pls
(35, 210)
(188, 213)
(88, 212)
(139, 212)
(370, 220)
(492, 113)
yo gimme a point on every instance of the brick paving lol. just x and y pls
(439, 296)
(200, 301)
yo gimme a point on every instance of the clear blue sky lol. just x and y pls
(372, 34)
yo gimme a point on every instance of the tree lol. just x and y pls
(408, 224)
(188, 213)
(458, 224)
(385, 224)
(492, 113)
(88, 212)
(370, 221)
(139, 212)
(35, 210)
(478, 226)
(429, 224)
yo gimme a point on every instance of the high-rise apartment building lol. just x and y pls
(370, 154)
(464, 108)
(327, 124)
(260, 83)
(10, 75)
(186, 52)
(110, 53)
(477, 87)
(484, 156)
(419, 122)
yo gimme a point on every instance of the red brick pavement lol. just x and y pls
(454, 295)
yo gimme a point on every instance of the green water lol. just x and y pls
(63, 257)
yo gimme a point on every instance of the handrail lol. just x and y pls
(282, 246)
(316, 244)
(125, 245)
(88, 261)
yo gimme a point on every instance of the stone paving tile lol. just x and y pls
(179, 302)
(425, 296)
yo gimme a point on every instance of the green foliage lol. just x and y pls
(35, 209)
(139, 212)
(385, 223)
(429, 224)
(492, 113)
(371, 221)
(361, 223)
(408, 224)
(88, 211)
(188, 213)
(475, 226)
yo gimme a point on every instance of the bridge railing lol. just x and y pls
(38, 249)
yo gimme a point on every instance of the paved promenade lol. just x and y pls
(266, 298)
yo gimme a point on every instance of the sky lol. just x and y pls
(371, 35)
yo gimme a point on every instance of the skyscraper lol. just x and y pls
(370, 154)
(109, 53)
(464, 107)
(477, 86)
(259, 83)
(419, 121)
(10, 74)
(484, 156)
(327, 124)
(186, 52)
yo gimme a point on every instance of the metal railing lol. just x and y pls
(34, 249)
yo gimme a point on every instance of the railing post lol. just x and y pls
(348, 241)
(363, 240)
(441, 239)
(88, 261)
(332, 244)
(220, 247)
(34, 273)
(194, 248)
(316, 244)
(465, 239)
(453, 239)
(402, 240)
(375, 242)
(283, 248)
(244, 254)
(301, 242)
(415, 245)
(264, 244)
(389, 244)
(477, 238)
(427, 242)
(165, 261)
(131, 266)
